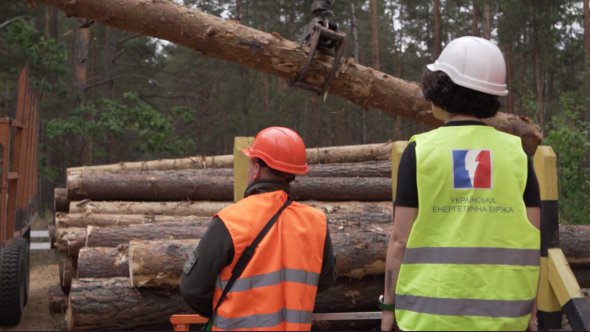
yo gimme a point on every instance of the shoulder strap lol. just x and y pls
(246, 257)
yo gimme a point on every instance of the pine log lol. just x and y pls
(574, 240)
(151, 186)
(182, 208)
(158, 264)
(273, 54)
(341, 189)
(58, 300)
(323, 155)
(60, 200)
(364, 169)
(107, 220)
(101, 262)
(112, 304)
(171, 186)
(196, 162)
(70, 240)
(209, 208)
(66, 273)
(114, 236)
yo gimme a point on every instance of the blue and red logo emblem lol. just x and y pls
(472, 169)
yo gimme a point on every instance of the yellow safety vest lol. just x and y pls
(472, 257)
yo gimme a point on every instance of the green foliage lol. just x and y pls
(570, 138)
(46, 56)
(129, 121)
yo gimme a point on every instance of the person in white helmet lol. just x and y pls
(465, 244)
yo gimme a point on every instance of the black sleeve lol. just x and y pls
(214, 252)
(406, 193)
(328, 274)
(532, 193)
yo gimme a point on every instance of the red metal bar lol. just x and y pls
(5, 142)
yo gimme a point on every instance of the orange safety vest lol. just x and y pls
(277, 289)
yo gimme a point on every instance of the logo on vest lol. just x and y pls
(472, 169)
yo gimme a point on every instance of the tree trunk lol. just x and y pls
(487, 20)
(272, 54)
(103, 262)
(107, 220)
(174, 186)
(110, 55)
(586, 8)
(437, 46)
(111, 304)
(375, 53)
(474, 19)
(182, 208)
(60, 200)
(158, 264)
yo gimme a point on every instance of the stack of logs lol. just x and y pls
(125, 230)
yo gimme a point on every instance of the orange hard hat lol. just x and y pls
(281, 149)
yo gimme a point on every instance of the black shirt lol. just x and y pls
(215, 251)
(407, 188)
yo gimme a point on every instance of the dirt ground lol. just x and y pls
(36, 315)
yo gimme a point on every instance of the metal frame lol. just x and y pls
(19, 180)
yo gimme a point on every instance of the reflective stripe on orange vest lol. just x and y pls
(277, 289)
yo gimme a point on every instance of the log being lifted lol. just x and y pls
(107, 220)
(323, 155)
(271, 53)
(158, 264)
(112, 304)
(175, 186)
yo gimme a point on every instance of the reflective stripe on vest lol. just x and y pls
(472, 256)
(273, 278)
(277, 289)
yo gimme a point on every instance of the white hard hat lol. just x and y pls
(474, 63)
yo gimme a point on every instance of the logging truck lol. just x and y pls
(18, 192)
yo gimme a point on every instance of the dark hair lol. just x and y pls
(438, 89)
(287, 177)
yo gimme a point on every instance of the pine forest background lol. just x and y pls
(111, 96)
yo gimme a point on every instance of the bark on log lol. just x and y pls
(70, 240)
(323, 155)
(183, 208)
(364, 169)
(112, 304)
(107, 220)
(114, 236)
(66, 274)
(158, 264)
(101, 262)
(150, 187)
(168, 186)
(273, 54)
(574, 240)
(60, 200)
(58, 300)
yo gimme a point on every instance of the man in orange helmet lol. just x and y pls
(261, 261)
